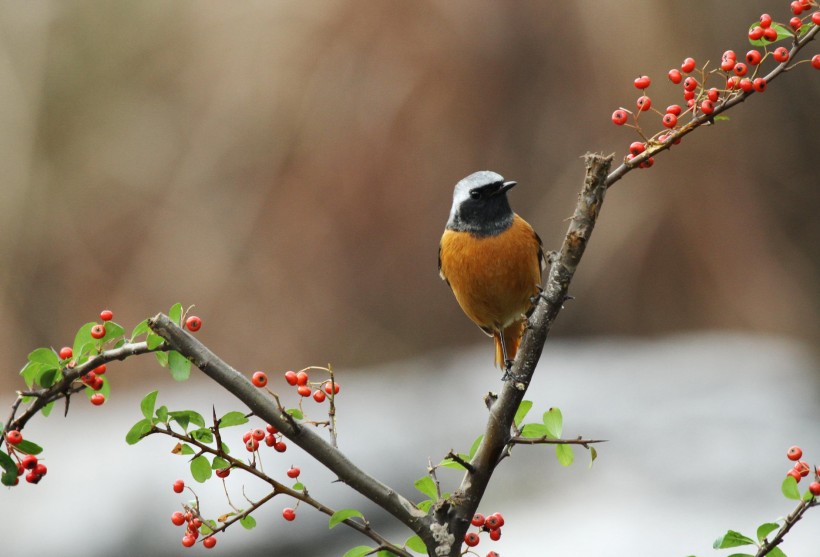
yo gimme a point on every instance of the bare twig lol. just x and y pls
(551, 441)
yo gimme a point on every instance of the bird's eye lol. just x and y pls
(475, 194)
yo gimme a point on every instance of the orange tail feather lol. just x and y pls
(512, 338)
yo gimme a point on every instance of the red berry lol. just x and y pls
(619, 117)
(797, 7)
(733, 82)
(794, 453)
(689, 95)
(303, 390)
(289, 514)
(290, 377)
(98, 331)
(781, 54)
(209, 542)
(707, 106)
(759, 84)
(492, 554)
(33, 478)
(319, 396)
(740, 69)
(815, 61)
(670, 120)
(251, 445)
(41, 470)
(765, 21)
(259, 379)
(729, 55)
(247, 436)
(495, 534)
(753, 57)
(495, 520)
(188, 540)
(14, 437)
(674, 76)
(713, 94)
(642, 82)
(106, 315)
(770, 34)
(756, 33)
(814, 487)
(222, 472)
(193, 323)
(727, 64)
(293, 472)
(178, 519)
(29, 462)
(644, 102)
(99, 370)
(258, 434)
(794, 474)
(97, 399)
(280, 447)
(271, 429)
(815, 18)
(688, 65)
(637, 147)
(301, 378)
(690, 84)
(746, 84)
(802, 467)
(478, 520)
(270, 440)
(66, 352)
(796, 23)
(673, 109)
(471, 539)
(335, 388)
(179, 485)
(648, 162)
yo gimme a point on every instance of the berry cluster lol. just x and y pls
(802, 469)
(270, 435)
(491, 524)
(192, 531)
(740, 78)
(304, 387)
(36, 469)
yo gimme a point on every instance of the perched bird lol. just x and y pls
(492, 259)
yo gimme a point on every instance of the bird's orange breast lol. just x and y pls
(493, 277)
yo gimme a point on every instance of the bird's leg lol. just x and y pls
(508, 375)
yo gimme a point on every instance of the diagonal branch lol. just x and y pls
(238, 385)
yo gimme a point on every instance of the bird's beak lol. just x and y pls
(507, 186)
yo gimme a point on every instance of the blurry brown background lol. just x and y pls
(288, 168)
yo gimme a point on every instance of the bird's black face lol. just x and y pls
(480, 205)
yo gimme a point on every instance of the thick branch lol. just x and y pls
(305, 437)
(502, 412)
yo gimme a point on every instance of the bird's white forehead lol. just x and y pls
(474, 180)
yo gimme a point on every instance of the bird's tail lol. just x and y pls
(512, 338)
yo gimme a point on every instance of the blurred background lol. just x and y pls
(288, 167)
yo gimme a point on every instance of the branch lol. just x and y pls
(497, 435)
(238, 385)
(550, 441)
(790, 521)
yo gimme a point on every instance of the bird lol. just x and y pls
(492, 260)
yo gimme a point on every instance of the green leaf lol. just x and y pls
(427, 486)
(185, 449)
(30, 372)
(535, 431)
(162, 358)
(175, 314)
(744, 555)
(203, 435)
(298, 486)
(201, 469)
(82, 339)
(721, 118)
(28, 447)
(232, 418)
(521, 413)
(186, 417)
(9, 469)
(112, 331)
(153, 341)
(219, 463)
(732, 539)
(148, 403)
(207, 527)
(46, 410)
(807, 496)
(358, 551)
(474, 447)
(564, 454)
(48, 377)
(342, 515)
(554, 422)
(45, 356)
(142, 328)
(450, 463)
(425, 505)
(137, 431)
(765, 529)
(180, 365)
(414, 543)
(789, 488)
(247, 522)
(296, 413)
(774, 552)
(385, 553)
(162, 414)
(593, 455)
